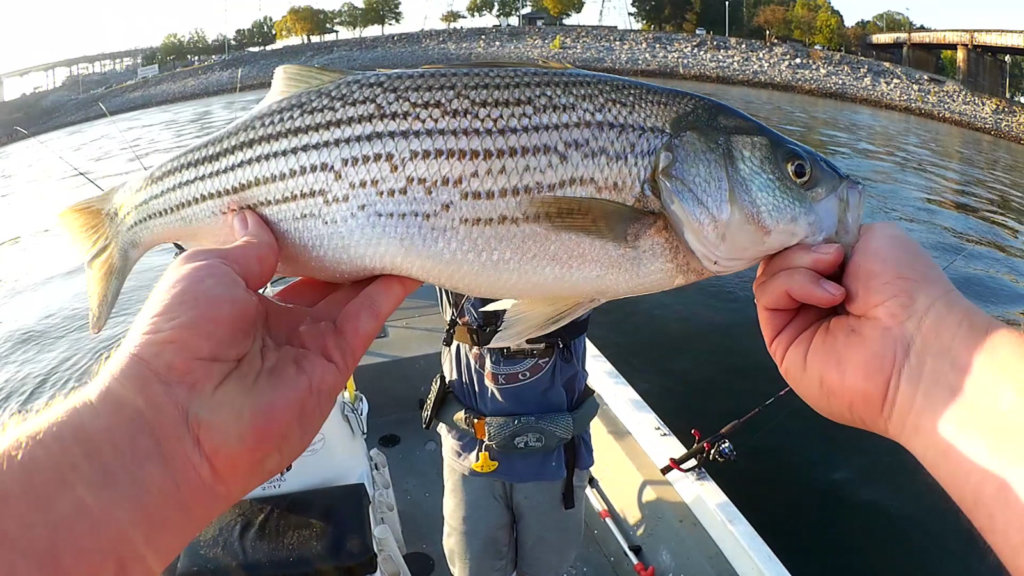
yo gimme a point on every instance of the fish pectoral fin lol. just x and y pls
(525, 319)
(594, 217)
(539, 63)
(290, 79)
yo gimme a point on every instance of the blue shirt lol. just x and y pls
(491, 385)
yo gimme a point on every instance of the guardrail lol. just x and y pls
(988, 38)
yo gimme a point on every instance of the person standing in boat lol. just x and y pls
(516, 450)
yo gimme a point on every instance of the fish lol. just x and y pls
(546, 188)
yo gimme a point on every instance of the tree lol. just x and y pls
(263, 33)
(303, 21)
(750, 8)
(382, 12)
(451, 17)
(218, 44)
(197, 43)
(947, 63)
(665, 14)
(150, 57)
(868, 26)
(803, 19)
(559, 9)
(774, 20)
(507, 9)
(891, 21)
(828, 27)
(350, 17)
(172, 48)
(242, 38)
(855, 34)
(1016, 72)
(478, 8)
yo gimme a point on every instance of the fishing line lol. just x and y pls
(40, 142)
(123, 137)
(966, 250)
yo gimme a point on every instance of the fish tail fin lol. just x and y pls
(98, 230)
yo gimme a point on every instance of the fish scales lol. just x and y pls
(397, 173)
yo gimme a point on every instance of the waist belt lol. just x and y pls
(482, 336)
(527, 432)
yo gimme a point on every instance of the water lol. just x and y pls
(826, 498)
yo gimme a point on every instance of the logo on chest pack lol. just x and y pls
(510, 373)
(529, 440)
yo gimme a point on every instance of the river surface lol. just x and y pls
(828, 499)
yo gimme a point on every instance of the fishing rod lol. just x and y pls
(716, 447)
(601, 505)
(123, 137)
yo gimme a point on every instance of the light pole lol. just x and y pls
(1007, 76)
(726, 18)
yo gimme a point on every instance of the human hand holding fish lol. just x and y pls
(849, 365)
(214, 389)
(253, 377)
(910, 358)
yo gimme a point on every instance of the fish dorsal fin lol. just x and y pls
(290, 79)
(540, 63)
(594, 217)
(526, 319)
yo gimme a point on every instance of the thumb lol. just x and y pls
(254, 255)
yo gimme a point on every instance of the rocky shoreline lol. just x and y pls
(651, 54)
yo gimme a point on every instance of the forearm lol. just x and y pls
(970, 428)
(105, 488)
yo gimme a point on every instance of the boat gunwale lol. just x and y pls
(742, 546)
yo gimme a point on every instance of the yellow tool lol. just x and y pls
(351, 387)
(484, 464)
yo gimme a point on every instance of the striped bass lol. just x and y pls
(548, 188)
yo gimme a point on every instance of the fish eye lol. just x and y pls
(799, 170)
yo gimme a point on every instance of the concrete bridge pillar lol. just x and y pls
(1, 89)
(979, 71)
(920, 58)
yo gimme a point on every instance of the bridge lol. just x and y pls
(75, 66)
(979, 66)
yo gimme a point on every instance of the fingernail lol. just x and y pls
(831, 287)
(825, 248)
(241, 223)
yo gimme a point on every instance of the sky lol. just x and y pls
(54, 30)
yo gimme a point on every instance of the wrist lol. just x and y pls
(135, 388)
(111, 451)
(940, 354)
(161, 478)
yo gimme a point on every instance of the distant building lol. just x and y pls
(539, 18)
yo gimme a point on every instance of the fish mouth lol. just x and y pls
(840, 215)
(851, 212)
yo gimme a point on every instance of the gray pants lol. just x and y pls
(492, 527)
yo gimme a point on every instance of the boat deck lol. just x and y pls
(395, 375)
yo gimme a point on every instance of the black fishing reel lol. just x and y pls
(722, 451)
(716, 448)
